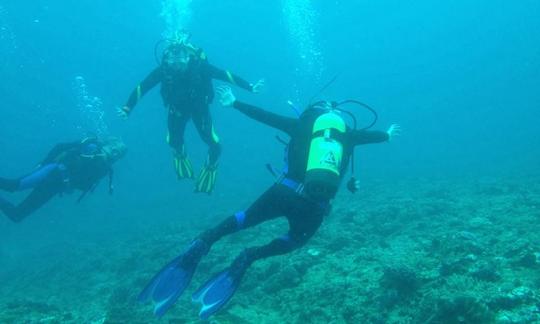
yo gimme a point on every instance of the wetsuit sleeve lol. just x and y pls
(359, 137)
(224, 75)
(142, 88)
(57, 150)
(282, 123)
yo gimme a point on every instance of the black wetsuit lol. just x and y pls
(187, 95)
(303, 213)
(67, 167)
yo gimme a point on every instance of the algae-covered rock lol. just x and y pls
(461, 309)
(486, 272)
(288, 277)
(516, 297)
(528, 259)
(529, 314)
(401, 279)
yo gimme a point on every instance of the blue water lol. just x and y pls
(460, 77)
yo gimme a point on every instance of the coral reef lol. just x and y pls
(459, 251)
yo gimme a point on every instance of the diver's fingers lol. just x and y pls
(259, 85)
(394, 128)
(121, 113)
(222, 90)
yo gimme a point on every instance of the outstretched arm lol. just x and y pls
(227, 76)
(360, 137)
(282, 123)
(142, 88)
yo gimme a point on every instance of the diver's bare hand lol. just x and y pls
(393, 131)
(123, 112)
(226, 95)
(257, 87)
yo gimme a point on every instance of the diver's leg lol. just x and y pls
(37, 198)
(29, 181)
(168, 284)
(203, 122)
(48, 172)
(263, 209)
(304, 220)
(305, 217)
(177, 122)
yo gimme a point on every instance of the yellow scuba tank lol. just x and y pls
(323, 171)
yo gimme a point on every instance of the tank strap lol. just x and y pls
(333, 133)
(296, 186)
(299, 188)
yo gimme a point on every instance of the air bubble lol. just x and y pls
(177, 16)
(90, 108)
(302, 20)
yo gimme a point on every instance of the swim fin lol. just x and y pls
(182, 166)
(217, 291)
(171, 281)
(207, 179)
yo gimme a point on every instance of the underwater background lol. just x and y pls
(446, 226)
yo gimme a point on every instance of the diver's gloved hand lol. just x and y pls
(353, 185)
(393, 131)
(257, 87)
(227, 97)
(123, 112)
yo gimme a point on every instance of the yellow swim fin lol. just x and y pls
(182, 166)
(207, 179)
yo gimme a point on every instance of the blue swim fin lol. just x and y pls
(167, 286)
(217, 291)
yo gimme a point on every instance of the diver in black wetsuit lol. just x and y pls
(67, 167)
(319, 151)
(187, 91)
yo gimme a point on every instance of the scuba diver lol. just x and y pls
(67, 167)
(320, 148)
(187, 91)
